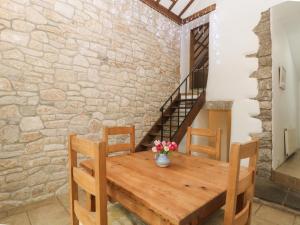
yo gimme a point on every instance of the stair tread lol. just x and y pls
(165, 124)
(181, 107)
(155, 133)
(185, 100)
(174, 115)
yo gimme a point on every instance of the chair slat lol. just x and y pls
(242, 217)
(119, 130)
(119, 148)
(84, 216)
(203, 132)
(84, 180)
(84, 147)
(203, 149)
(214, 152)
(248, 150)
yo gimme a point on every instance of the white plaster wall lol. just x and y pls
(285, 102)
(231, 39)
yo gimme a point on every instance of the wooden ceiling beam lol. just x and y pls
(199, 14)
(173, 4)
(177, 18)
(161, 9)
(185, 8)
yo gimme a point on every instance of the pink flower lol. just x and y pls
(154, 149)
(174, 143)
(163, 147)
(157, 142)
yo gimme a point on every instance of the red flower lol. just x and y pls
(173, 146)
(159, 147)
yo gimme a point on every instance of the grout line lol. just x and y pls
(59, 202)
(294, 223)
(285, 197)
(277, 206)
(28, 217)
(258, 208)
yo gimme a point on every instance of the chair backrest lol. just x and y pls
(238, 187)
(96, 185)
(120, 147)
(215, 135)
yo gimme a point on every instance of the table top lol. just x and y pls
(187, 186)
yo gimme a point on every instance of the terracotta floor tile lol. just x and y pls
(275, 216)
(51, 214)
(64, 200)
(19, 219)
(258, 221)
(297, 222)
(291, 166)
(255, 207)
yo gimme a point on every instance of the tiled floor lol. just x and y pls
(55, 212)
(292, 166)
(277, 193)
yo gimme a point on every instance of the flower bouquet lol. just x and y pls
(162, 150)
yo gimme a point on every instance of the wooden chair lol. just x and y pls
(107, 132)
(214, 152)
(242, 215)
(110, 131)
(239, 192)
(96, 185)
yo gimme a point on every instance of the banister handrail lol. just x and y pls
(195, 68)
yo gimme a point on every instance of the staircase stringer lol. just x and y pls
(198, 105)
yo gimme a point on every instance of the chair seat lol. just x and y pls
(216, 219)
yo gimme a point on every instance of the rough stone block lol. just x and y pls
(52, 95)
(9, 134)
(32, 15)
(64, 9)
(15, 37)
(31, 124)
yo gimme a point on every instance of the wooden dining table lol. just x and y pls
(187, 192)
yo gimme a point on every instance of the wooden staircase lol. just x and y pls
(182, 107)
(177, 114)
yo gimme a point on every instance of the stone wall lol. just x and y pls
(75, 66)
(264, 78)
